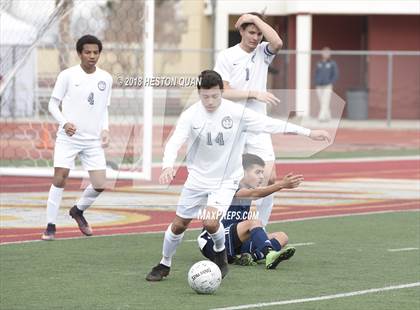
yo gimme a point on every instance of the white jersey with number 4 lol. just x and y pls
(246, 71)
(84, 98)
(216, 141)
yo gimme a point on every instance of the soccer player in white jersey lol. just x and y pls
(214, 128)
(84, 92)
(244, 69)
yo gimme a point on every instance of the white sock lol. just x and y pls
(264, 207)
(53, 203)
(88, 197)
(170, 243)
(219, 239)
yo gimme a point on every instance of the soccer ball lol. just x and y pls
(204, 277)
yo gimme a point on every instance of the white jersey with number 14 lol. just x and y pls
(216, 141)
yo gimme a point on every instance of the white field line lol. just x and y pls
(326, 297)
(402, 249)
(193, 229)
(301, 244)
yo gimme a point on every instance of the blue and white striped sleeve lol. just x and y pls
(268, 55)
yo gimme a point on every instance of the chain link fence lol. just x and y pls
(376, 85)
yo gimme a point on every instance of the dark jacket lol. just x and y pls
(326, 73)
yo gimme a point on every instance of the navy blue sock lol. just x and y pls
(276, 244)
(261, 242)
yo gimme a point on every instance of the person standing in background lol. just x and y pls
(326, 74)
(84, 93)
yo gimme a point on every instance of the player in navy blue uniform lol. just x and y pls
(245, 238)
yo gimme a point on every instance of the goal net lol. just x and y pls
(37, 42)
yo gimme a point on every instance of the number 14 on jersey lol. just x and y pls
(219, 139)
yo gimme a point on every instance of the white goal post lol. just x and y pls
(27, 137)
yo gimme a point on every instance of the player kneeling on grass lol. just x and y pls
(245, 239)
(84, 92)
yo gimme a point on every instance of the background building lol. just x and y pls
(376, 27)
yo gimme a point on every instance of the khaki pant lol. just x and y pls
(324, 97)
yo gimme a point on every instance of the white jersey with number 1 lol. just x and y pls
(246, 71)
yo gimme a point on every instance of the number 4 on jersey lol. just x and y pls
(219, 139)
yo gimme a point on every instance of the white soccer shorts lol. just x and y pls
(90, 152)
(192, 201)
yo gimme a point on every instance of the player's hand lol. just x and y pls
(320, 135)
(245, 18)
(267, 97)
(167, 175)
(292, 180)
(69, 129)
(105, 138)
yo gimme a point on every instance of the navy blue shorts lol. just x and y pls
(247, 247)
(232, 243)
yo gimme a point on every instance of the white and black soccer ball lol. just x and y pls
(204, 277)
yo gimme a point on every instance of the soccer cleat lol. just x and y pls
(77, 215)
(277, 257)
(49, 233)
(220, 259)
(245, 259)
(158, 273)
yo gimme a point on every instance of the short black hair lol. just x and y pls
(88, 39)
(260, 16)
(248, 160)
(208, 79)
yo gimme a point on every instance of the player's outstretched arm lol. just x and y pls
(275, 42)
(289, 181)
(320, 135)
(258, 123)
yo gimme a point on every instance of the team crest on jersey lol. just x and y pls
(227, 122)
(91, 99)
(101, 85)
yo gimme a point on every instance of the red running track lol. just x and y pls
(159, 220)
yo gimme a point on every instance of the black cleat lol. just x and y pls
(77, 215)
(220, 259)
(245, 259)
(49, 233)
(158, 273)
